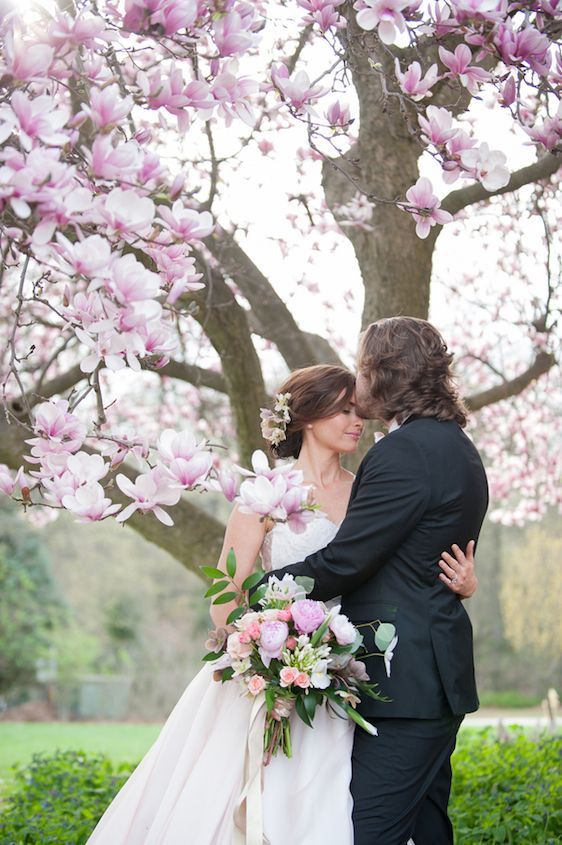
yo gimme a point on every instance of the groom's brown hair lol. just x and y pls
(408, 366)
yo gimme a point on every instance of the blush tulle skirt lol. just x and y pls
(185, 790)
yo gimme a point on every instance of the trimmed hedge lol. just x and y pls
(503, 792)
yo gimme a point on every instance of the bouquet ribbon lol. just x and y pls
(248, 814)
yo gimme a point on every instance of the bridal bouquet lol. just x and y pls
(294, 652)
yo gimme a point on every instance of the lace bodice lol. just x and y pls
(283, 546)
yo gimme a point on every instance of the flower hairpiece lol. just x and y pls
(274, 423)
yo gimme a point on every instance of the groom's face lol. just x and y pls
(363, 399)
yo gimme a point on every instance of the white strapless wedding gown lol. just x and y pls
(185, 789)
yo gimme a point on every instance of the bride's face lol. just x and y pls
(340, 433)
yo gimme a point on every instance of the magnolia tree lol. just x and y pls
(179, 178)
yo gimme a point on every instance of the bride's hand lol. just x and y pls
(458, 571)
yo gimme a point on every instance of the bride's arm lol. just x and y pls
(245, 534)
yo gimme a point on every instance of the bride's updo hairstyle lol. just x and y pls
(317, 392)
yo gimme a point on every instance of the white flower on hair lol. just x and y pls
(274, 423)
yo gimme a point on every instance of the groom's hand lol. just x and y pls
(458, 571)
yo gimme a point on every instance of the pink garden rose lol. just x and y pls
(272, 640)
(308, 615)
(302, 680)
(288, 676)
(256, 684)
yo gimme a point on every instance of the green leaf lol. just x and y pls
(231, 563)
(211, 655)
(212, 572)
(235, 614)
(384, 635)
(258, 594)
(226, 597)
(301, 711)
(305, 582)
(218, 587)
(227, 674)
(311, 701)
(253, 580)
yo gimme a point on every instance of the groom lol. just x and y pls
(418, 490)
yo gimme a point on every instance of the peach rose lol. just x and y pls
(288, 675)
(256, 684)
(303, 680)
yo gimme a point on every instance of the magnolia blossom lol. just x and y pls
(149, 491)
(89, 503)
(185, 223)
(384, 15)
(413, 83)
(488, 166)
(426, 209)
(437, 125)
(297, 90)
(459, 66)
(106, 107)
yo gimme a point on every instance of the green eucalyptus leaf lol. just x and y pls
(226, 597)
(218, 587)
(305, 582)
(384, 635)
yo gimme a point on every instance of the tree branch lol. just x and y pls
(275, 321)
(543, 362)
(541, 169)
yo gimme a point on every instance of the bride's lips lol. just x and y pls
(356, 435)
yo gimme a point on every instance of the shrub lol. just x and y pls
(507, 792)
(59, 799)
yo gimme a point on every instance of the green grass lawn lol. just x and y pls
(123, 742)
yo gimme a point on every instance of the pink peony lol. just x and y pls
(308, 615)
(272, 640)
(256, 684)
(288, 676)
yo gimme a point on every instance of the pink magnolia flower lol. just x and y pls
(474, 10)
(488, 166)
(232, 35)
(9, 483)
(426, 209)
(452, 167)
(184, 223)
(39, 118)
(113, 162)
(199, 95)
(124, 212)
(413, 83)
(26, 61)
(307, 615)
(107, 108)
(227, 483)
(437, 125)
(86, 468)
(54, 421)
(233, 94)
(177, 444)
(106, 348)
(272, 640)
(385, 15)
(129, 281)
(58, 487)
(526, 45)
(338, 115)
(149, 491)
(297, 90)
(89, 503)
(256, 684)
(89, 257)
(190, 472)
(459, 65)
(261, 495)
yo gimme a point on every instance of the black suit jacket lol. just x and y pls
(417, 491)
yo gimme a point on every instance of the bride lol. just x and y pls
(186, 788)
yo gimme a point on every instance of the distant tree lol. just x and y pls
(29, 605)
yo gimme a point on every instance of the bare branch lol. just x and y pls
(543, 362)
(541, 169)
(274, 319)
